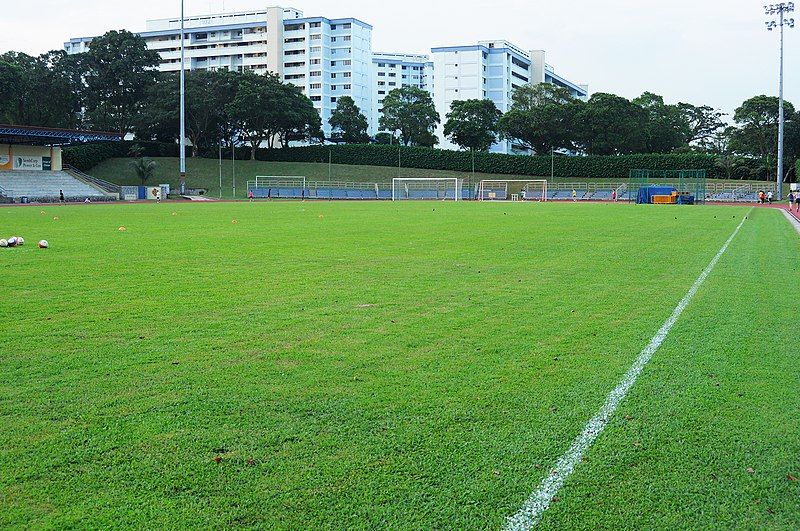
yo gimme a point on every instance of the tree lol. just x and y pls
(44, 90)
(757, 121)
(265, 110)
(612, 125)
(704, 122)
(411, 111)
(120, 69)
(667, 128)
(144, 168)
(473, 124)
(348, 123)
(541, 118)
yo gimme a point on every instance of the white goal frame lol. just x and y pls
(397, 182)
(271, 181)
(482, 187)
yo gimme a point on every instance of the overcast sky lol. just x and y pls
(714, 52)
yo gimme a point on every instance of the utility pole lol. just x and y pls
(183, 112)
(780, 10)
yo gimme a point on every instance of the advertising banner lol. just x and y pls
(22, 162)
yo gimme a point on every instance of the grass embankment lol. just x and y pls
(204, 173)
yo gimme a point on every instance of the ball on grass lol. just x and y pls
(3, 242)
(43, 244)
(12, 241)
(122, 229)
(20, 240)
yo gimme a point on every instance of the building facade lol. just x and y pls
(326, 58)
(331, 58)
(488, 70)
(396, 70)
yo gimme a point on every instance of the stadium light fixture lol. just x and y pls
(780, 10)
(183, 112)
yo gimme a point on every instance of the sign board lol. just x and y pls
(793, 186)
(47, 163)
(22, 162)
(152, 192)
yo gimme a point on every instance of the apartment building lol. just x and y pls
(326, 58)
(331, 58)
(396, 70)
(489, 70)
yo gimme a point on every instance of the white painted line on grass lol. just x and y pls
(792, 220)
(531, 512)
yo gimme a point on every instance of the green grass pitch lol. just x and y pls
(394, 365)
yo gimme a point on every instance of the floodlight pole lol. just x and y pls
(183, 112)
(780, 9)
(220, 168)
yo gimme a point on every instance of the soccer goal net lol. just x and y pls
(445, 188)
(512, 190)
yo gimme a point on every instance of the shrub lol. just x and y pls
(595, 167)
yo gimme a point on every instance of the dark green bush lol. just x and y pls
(436, 159)
(86, 156)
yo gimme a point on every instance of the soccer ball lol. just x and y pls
(12, 241)
(20, 240)
(43, 244)
(3, 243)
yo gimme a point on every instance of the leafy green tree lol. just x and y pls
(43, 90)
(757, 121)
(667, 128)
(385, 138)
(119, 71)
(704, 123)
(265, 110)
(144, 168)
(612, 125)
(541, 118)
(207, 93)
(411, 111)
(348, 123)
(473, 124)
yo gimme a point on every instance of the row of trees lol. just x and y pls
(116, 86)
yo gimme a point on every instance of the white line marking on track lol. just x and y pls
(531, 511)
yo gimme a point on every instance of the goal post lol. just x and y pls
(506, 189)
(277, 181)
(426, 188)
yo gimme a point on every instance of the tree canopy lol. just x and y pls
(473, 124)
(348, 123)
(410, 110)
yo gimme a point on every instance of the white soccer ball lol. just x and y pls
(43, 244)
(12, 241)
(3, 242)
(20, 240)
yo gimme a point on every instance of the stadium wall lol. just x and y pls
(34, 158)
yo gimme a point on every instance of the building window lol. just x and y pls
(333, 87)
(315, 86)
(333, 99)
(316, 37)
(381, 65)
(315, 61)
(316, 98)
(382, 74)
(346, 38)
(346, 87)
(296, 39)
(295, 27)
(346, 74)
(381, 83)
(333, 39)
(316, 73)
(315, 49)
(392, 74)
(314, 25)
(381, 92)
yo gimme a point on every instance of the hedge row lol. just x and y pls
(85, 157)
(437, 159)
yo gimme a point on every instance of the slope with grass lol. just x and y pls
(385, 365)
(205, 173)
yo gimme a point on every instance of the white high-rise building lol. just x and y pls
(331, 58)
(395, 70)
(488, 70)
(327, 58)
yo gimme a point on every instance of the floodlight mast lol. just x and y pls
(183, 112)
(780, 9)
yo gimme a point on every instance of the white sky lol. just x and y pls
(714, 52)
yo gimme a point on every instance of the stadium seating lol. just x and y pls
(44, 185)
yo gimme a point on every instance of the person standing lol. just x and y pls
(250, 195)
(769, 197)
(797, 201)
(61, 196)
(790, 197)
(614, 196)
(158, 195)
(574, 195)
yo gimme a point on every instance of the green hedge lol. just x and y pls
(438, 159)
(85, 157)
